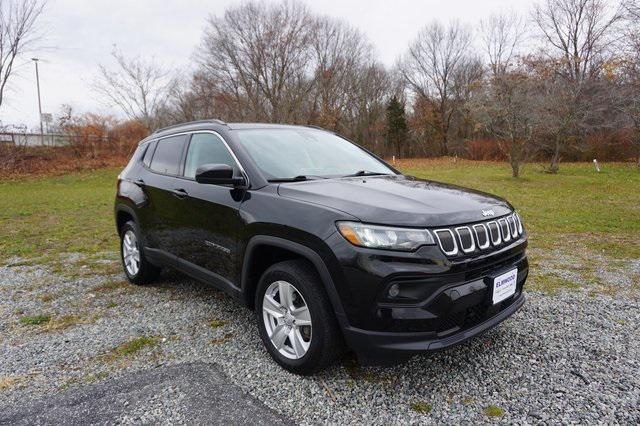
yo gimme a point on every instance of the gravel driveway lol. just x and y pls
(570, 357)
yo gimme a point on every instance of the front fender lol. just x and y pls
(303, 251)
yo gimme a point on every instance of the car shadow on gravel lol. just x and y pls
(191, 393)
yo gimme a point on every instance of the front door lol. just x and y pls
(209, 238)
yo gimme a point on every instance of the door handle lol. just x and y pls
(180, 193)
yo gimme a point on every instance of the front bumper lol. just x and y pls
(376, 346)
(441, 302)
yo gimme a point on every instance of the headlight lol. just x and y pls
(384, 237)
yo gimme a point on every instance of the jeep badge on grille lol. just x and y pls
(486, 213)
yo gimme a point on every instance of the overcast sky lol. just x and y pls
(79, 35)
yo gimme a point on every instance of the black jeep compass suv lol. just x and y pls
(325, 241)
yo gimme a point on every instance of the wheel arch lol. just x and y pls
(123, 215)
(284, 249)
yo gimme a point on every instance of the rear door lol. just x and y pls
(211, 212)
(165, 209)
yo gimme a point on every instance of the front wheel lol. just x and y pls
(295, 319)
(137, 269)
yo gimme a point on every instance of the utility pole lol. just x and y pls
(35, 60)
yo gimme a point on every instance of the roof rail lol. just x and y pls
(210, 120)
(313, 126)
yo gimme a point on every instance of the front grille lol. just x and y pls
(479, 237)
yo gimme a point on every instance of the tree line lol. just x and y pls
(546, 85)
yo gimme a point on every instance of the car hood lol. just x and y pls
(398, 200)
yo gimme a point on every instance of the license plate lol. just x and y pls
(504, 286)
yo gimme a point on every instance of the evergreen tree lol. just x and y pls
(396, 126)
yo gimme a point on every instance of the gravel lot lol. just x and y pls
(571, 357)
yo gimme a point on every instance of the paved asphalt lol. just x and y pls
(187, 393)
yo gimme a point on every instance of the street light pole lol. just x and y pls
(35, 60)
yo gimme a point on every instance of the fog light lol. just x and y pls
(394, 290)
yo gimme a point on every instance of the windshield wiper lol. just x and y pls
(299, 178)
(365, 173)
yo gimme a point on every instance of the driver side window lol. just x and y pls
(206, 148)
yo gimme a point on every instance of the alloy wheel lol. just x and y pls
(287, 319)
(131, 253)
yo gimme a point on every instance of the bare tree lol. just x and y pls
(579, 38)
(278, 62)
(429, 69)
(138, 87)
(18, 32)
(626, 100)
(510, 109)
(501, 37)
(579, 33)
(365, 112)
(626, 93)
(632, 30)
(467, 82)
(258, 52)
(340, 52)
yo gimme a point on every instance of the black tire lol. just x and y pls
(147, 272)
(326, 339)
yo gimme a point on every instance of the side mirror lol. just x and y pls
(217, 174)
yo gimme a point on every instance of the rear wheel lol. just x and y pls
(137, 269)
(295, 318)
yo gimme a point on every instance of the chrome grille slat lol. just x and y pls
(513, 227)
(472, 246)
(452, 252)
(498, 239)
(486, 235)
(504, 230)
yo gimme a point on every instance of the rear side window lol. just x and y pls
(148, 154)
(135, 158)
(166, 158)
(206, 148)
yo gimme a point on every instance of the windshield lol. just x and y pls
(299, 152)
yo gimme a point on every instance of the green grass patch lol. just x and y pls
(216, 323)
(467, 400)
(45, 217)
(134, 345)
(35, 320)
(65, 321)
(47, 297)
(421, 407)
(493, 411)
(357, 372)
(111, 286)
(222, 339)
(91, 378)
(550, 283)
